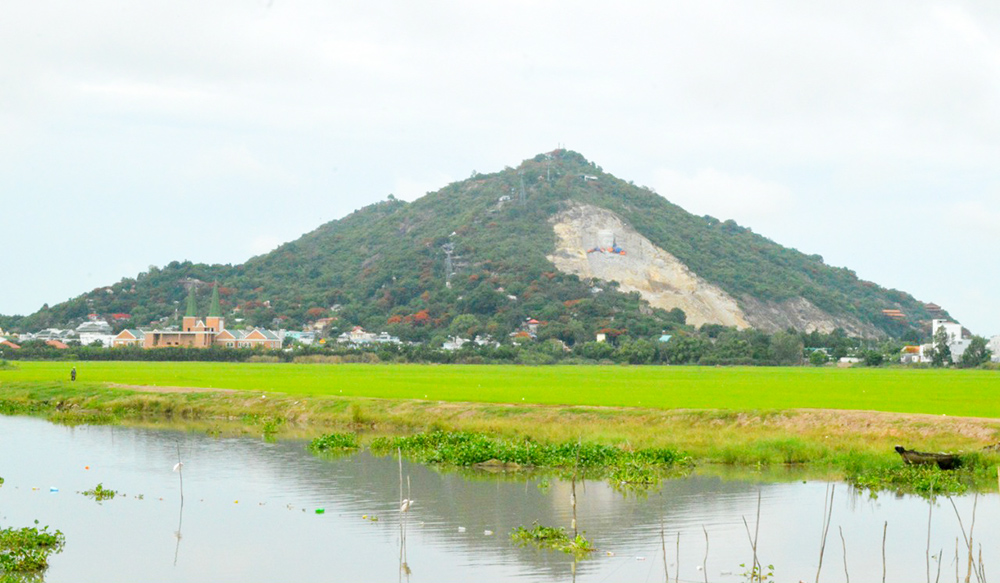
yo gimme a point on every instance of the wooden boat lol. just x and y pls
(945, 461)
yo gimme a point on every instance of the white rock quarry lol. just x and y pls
(659, 277)
(665, 282)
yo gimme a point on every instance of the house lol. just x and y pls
(455, 343)
(994, 346)
(958, 340)
(9, 344)
(913, 355)
(57, 344)
(258, 337)
(358, 336)
(128, 337)
(322, 324)
(952, 329)
(665, 337)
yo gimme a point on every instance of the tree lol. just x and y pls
(941, 353)
(787, 348)
(465, 325)
(976, 353)
(874, 358)
(818, 358)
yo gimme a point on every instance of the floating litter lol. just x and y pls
(364, 517)
(640, 558)
(53, 489)
(487, 533)
(461, 529)
(610, 554)
(86, 467)
(236, 501)
(320, 511)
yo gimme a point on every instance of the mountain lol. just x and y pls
(556, 239)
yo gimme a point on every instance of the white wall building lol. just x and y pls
(994, 346)
(88, 338)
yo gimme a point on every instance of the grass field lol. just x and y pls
(970, 393)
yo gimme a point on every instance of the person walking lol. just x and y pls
(72, 374)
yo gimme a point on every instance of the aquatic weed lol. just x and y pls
(100, 493)
(27, 550)
(335, 442)
(547, 537)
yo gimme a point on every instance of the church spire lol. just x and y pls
(192, 305)
(215, 311)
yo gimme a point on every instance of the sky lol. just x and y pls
(138, 133)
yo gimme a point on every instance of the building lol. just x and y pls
(95, 331)
(994, 346)
(200, 333)
(128, 337)
(952, 329)
(358, 336)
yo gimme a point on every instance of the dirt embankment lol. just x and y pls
(666, 282)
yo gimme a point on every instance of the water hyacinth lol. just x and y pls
(466, 449)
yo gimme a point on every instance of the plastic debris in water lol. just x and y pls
(178, 466)
(405, 506)
(487, 533)
(461, 529)
(53, 489)
(640, 558)
(86, 467)
(320, 510)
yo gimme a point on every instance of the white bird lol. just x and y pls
(178, 466)
(405, 506)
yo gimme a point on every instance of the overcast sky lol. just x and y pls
(138, 133)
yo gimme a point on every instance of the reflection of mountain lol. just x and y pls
(250, 515)
(446, 500)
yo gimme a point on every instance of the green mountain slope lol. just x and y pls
(384, 267)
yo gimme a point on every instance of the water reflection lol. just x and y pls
(248, 512)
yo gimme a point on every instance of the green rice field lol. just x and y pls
(970, 393)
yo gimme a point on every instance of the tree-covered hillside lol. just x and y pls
(385, 267)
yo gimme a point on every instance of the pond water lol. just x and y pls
(249, 514)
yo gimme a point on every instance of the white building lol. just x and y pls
(88, 338)
(952, 329)
(994, 346)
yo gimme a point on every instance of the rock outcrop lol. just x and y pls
(666, 282)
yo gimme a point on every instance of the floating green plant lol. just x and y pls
(100, 493)
(547, 537)
(27, 550)
(335, 442)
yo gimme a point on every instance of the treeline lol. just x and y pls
(710, 345)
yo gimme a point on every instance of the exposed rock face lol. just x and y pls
(658, 276)
(665, 282)
(800, 314)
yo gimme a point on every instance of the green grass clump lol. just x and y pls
(884, 474)
(100, 493)
(26, 550)
(335, 442)
(547, 537)
(462, 448)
